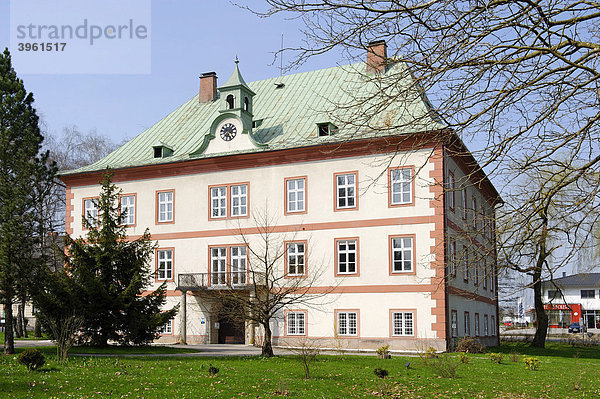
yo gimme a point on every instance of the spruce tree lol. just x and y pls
(24, 176)
(112, 273)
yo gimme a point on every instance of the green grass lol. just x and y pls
(560, 376)
(30, 337)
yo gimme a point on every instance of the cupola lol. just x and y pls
(236, 97)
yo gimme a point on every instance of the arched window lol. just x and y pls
(229, 101)
(246, 104)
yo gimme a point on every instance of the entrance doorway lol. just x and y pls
(231, 331)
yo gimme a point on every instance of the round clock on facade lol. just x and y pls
(228, 131)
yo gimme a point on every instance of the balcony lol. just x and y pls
(214, 281)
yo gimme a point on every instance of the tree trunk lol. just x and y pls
(267, 348)
(19, 322)
(16, 329)
(539, 340)
(37, 330)
(9, 338)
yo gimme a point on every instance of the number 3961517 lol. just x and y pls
(26, 46)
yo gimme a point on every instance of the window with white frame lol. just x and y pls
(239, 200)
(464, 203)
(486, 329)
(296, 258)
(450, 191)
(347, 323)
(218, 202)
(218, 265)
(238, 265)
(346, 191)
(454, 323)
(401, 186)
(465, 263)
(485, 274)
(346, 256)
(467, 324)
(493, 326)
(296, 323)
(476, 321)
(128, 209)
(476, 266)
(402, 254)
(164, 266)
(91, 211)
(295, 195)
(166, 328)
(402, 324)
(165, 206)
(452, 259)
(474, 212)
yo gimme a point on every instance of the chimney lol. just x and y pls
(376, 56)
(208, 87)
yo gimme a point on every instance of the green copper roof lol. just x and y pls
(289, 108)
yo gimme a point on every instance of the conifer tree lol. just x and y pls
(25, 176)
(112, 273)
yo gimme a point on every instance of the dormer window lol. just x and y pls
(162, 151)
(326, 129)
(229, 101)
(246, 104)
(256, 123)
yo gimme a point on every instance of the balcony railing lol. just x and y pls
(217, 280)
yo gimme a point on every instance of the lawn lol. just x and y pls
(564, 372)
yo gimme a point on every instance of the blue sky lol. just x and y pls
(188, 37)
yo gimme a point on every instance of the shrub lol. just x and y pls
(470, 345)
(213, 371)
(444, 366)
(381, 373)
(531, 363)
(33, 359)
(514, 356)
(495, 357)
(430, 353)
(383, 352)
(463, 357)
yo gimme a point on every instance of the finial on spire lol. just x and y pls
(236, 60)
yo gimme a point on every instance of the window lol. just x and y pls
(401, 186)
(402, 324)
(476, 324)
(246, 104)
(485, 275)
(347, 323)
(164, 264)
(166, 328)
(467, 324)
(218, 202)
(229, 101)
(326, 129)
(402, 254)
(452, 259)
(486, 330)
(454, 324)
(238, 265)
(476, 266)
(218, 266)
(228, 265)
(474, 213)
(450, 191)
(587, 294)
(492, 277)
(345, 188)
(464, 203)
(296, 259)
(128, 209)
(296, 322)
(239, 200)
(295, 195)
(553, 294)
(465, 262)
(90, 212)
(493, 325)
(347, 256)
(164, 201)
